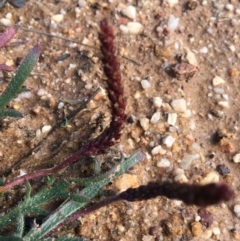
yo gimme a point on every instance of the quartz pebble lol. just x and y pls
(216, 231)
(144, 122)
(158, 150)
(188, 159)
(6, 22)
(236, 158)
(57, 18)
(130, 12)
(172, 119)
(145, 84)
(132, 28)
(155, 117)
(168, 141)
(173, 22)
(163, 163)
(223, 104)
(179, 105)
(203, 50)
(157, 102)
(236, 210)
(46, 129)
(210, 178)
(172, 2)
(217, 81)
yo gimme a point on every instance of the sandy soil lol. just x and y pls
(206, 36)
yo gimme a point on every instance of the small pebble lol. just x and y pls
(163, 163)
(6, 22)
(223, 104)
(236, 158)
(155, 117)
(81, 3)
(222, 169)
(132, 28)
(57, 18)
(144, 122)
(158, 150)
(145, 84)
(188, 159)
(179, 105)
(210, 178)
(172, 119)
(203, 50)
(216, 231)
(168, 141)
(236, 210)
(126, 181)
(157, 102)
(60, 105)
(196, 229)
(173, 23)
(46, 129)
(217, 81)
(130, 12)
(172, 2)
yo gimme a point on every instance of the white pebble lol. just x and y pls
(168, 141)
(172, 2)
(124, 28)
(217, 80)
(186, 114)
(134, 27)
(158, 150)
(41, 92)
(210, 177)
(157, 101)
(144, 122)
(179, 105)
(188, 159)
(216, 231)
(173, 22)
(81, 3)
(229, 7)
(203, 50)
(236, 209)
(46, 129)
(6, 22)
(232, 48)
(60, 105)
(155, 117)
(223, 104)
(57, 18)
(25, 95)
(172, 119)
(130, 12)
(163, 163)
(236, 158)
(8, 16)
(218, 90)
(145, 84)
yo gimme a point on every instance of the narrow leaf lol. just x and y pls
(10, 113)
(7, 35)
(20, 225)
(17, 81)
(6, 68)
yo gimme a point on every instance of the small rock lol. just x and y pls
(172, 2)
(236, 158)
(145, 84)
(236, 210)
(168, 141)
(217, 81)
(81, 3)
(210, 178)
(203, 50)
(196, 229)
(172, 119)
(132, 28)
(173, 226)
(130, 12)
(223, 104)
(222, 169)
(164, 163)
(144, 122)
(158, 150)
(6, 22)
(57, 18)
(155, 117)
(126, 181)
(157, 101)
(179, 105)
(206, 217)
(173, 22)
(216, 231)
(188, 159)
(46, 129)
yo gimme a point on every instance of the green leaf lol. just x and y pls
(10, 113)
(17, 81)
(11, 238)
(68, 208)
(20, 225)
(64, 239)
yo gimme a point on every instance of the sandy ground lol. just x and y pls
(177, 130)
